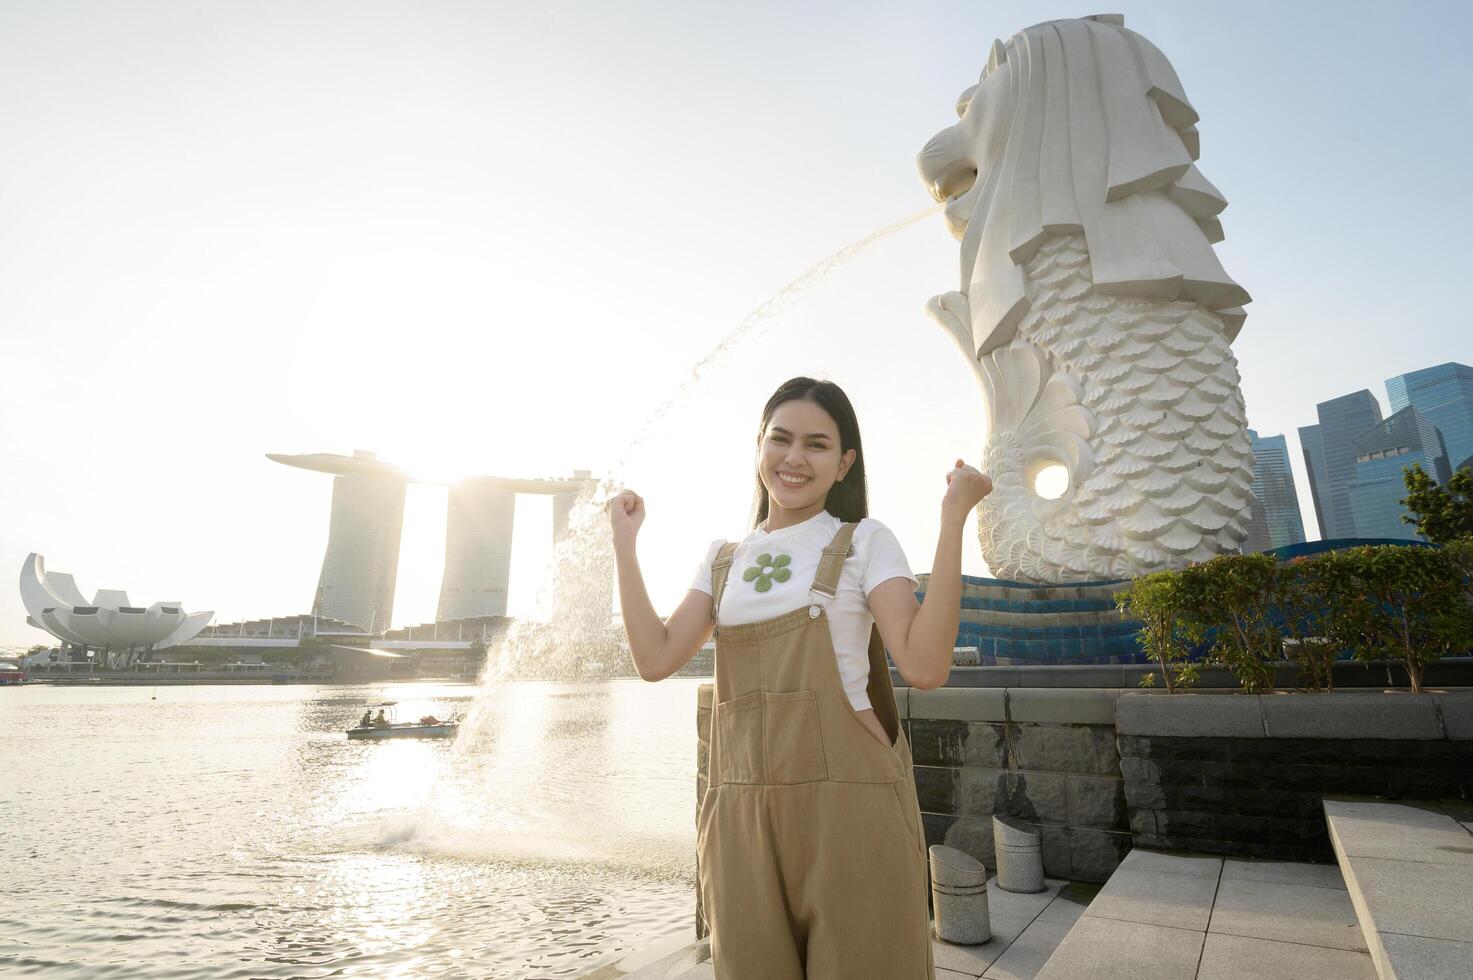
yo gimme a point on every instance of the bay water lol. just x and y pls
(236, 832)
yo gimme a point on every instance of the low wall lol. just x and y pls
(1047, 756)
(1246, 774)
(1448, 672)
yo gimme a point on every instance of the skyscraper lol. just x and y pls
(478, 530)
(1313, 448)
(1342, 421)
(1275, 519)
(1405, 439)
(361, 565)
(563, 503)
(478, 537)
(1445, 395)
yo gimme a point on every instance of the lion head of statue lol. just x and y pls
(1078, 127)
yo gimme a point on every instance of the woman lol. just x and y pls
(811, 854)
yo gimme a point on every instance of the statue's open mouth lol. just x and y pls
(958, 211)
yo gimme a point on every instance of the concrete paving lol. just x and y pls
(1025, 931)
(1114, 949)
(1409, 870)
(1188, 917)
(1227, 957)
(1397, 912)
(1309, 914)
(1161, 898)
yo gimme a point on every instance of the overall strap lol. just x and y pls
(720, 567)
(831, 564)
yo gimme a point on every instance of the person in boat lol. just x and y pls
(367, 718)
(808, 763)
(429, 720)
(379, 721)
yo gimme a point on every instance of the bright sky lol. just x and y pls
(493, 237)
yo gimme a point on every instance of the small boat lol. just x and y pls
(387, 725)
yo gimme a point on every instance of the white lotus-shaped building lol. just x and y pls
(110, 622)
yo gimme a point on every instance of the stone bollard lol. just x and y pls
(959, 896)
(1019, 856)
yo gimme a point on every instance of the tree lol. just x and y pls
(1442, 513)
(1404, 603)
(1460, 553)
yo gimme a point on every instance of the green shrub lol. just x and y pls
(1410, 604)
(1390, 602)
(1158, 602)
(1302, 604)
(1229, 604)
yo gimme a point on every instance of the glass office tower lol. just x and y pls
(1332, 468)
(1275, 516)
(1313, 448)
(1406, 439)
(1445, 395)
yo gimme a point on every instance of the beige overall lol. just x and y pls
(812, 859)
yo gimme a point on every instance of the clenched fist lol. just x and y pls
(626, 515)
(965, 488)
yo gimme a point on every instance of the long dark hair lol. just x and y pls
(848, 499)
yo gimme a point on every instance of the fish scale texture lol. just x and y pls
(1140, 399)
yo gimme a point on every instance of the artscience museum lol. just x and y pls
(110, 624)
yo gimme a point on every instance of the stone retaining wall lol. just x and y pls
(1448, 672)
(1245, 775)
(1047, 756)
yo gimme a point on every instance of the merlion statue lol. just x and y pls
(1093, 308)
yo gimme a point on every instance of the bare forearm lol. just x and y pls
(642, 625)
(933, 631)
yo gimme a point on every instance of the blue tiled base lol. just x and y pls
(1015, 623)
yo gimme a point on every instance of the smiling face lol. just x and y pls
(799, 457)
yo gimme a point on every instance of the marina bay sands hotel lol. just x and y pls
(361, 565)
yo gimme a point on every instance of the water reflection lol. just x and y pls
(237, 833)
(380, 902)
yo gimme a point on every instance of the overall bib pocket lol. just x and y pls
(736, 746)
(769, 738)
(792, 739)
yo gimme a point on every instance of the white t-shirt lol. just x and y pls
(753, 596)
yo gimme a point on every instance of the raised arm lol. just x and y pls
(659, 648)
(921, 636)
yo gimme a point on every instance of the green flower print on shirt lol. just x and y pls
(768, 570)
